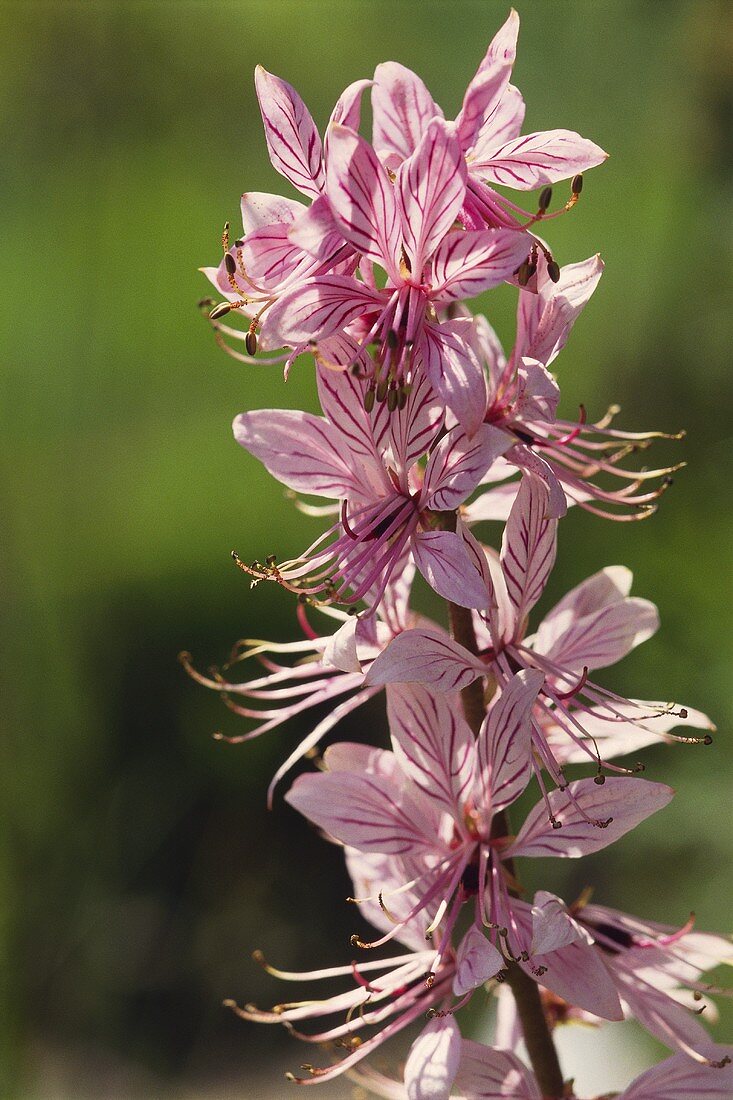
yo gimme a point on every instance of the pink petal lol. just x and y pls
(577, 973)
(535, 160)
(489, 1074)
(429, 188)
(538, 393)
(341, 649)
(352, 756)
(443, 560)
(603, 637)
(402, 108)
(604, 589)
(347, 111)
(457, 465)
(662, 1015)
(319, 307)
(505, 741)
(302, 451)
(544, 319)
(527, 459)
(315, 230)
(477, 960)
(454, 371)
(481, 101)
(528, 546)
(259, 208)
(501, 124)
(425, 657)
(626, 800)
(680, 1078)
(414, 428)
(291, 135)
(433, 1060)
(434, 746)
(467, 263)
(362, 199)
(369, 812)
(271, 260)
(552, 925)
(341, 395)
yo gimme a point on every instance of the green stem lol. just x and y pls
(537, 1035)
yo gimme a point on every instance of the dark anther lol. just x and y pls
(682, 712)
(219, 311)
(599, 779)
(230, 263)
(250, 342)
(402, 399)
(523, 273)
(271, 559)
(238, 244)
(553, 270)
(707, 739)
(577, 185)
(369, 399)
(382, 390)
(545, 198)
(392, 399)
(555, 823)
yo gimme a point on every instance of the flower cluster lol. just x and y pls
(428, 429)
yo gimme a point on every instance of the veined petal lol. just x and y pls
(362, 199)
(433, 1060)
(315, 230)
(347, 111)
(302, 451)
(607, 587)
(434, 745)
(679, 1078)
(505, 743)
(477, 960)
(319, 307)
(259, 208)
(489, 1074)
(454, 371)
(372, 813)
(292, 138)
(501, 124)
(458, 463)
(603, 637)
(413, 428)
(429, 188)
(482, 98)
(627, 801)
(535, 160)
(425, 657)
(576, 973)
(544, 319)
(467, 263)
(443, 560)
(527, 459)
(341, 395)
(402, 108)
(552, 925)
(528, 546)
(271, 260)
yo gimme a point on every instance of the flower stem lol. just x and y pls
(537, 1035)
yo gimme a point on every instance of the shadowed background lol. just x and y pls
(138, 865)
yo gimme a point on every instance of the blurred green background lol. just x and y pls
(138, 865)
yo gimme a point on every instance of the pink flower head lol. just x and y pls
(407, 228)
(367, 460)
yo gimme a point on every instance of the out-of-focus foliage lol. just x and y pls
(138, 865)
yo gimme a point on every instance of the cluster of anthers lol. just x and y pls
(428, 432)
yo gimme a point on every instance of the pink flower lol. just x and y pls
(488, 129)
(593, 626)
(367, 460)
(406, 228)
(431, 804)
(523, 398)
